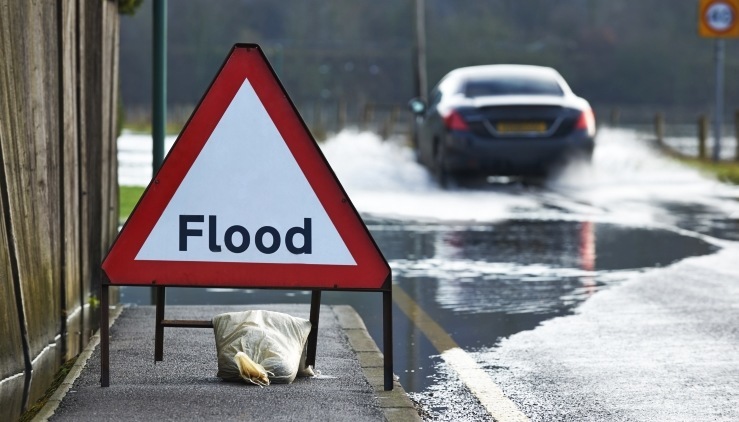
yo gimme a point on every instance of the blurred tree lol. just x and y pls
(629, 52)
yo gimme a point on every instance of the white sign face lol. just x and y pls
(719, 16)
(246, 200)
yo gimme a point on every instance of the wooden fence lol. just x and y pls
(323, 118)
(697, 142)
(58, 184)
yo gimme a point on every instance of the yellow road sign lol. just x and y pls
(718, 18)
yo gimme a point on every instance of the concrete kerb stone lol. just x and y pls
(370, 359)
(395, 404)
(51, 405)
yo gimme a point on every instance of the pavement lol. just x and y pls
(185, 387)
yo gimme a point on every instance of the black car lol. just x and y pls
(507, 120)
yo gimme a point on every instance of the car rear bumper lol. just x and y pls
(468, 153)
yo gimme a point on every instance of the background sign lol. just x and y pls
(718, 18)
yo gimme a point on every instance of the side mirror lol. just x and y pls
(417, 106)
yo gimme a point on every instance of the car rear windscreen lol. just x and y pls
(512, 85)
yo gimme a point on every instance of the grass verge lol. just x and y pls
(725, 171)
(173, 128)
(128, 197)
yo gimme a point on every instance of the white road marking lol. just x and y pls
(469, 372)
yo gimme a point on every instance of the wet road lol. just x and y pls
(483, 264)
(481, 283)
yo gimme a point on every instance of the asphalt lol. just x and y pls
(185, 387)
(664, 346)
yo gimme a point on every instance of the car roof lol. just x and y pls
(498, 69)
(457, 76)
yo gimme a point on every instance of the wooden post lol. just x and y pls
(615, 116)
(368, 115)
(394, 114)
(702, 136)
(319, 130)
(659, 128)
(388, 125)
(340, 115)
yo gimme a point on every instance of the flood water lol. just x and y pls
(492, 261)
(481, 282)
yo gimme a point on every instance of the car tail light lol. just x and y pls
(454, 121)
(586, 121)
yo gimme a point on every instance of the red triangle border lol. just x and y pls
(247, 61)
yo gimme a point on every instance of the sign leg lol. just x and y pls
(315, 308)
(159, 329)
(387, 337)
(104, 337)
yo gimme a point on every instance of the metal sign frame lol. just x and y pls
(370, 274)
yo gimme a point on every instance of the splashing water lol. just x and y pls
(628, 182)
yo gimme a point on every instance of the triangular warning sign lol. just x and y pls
(245, 198)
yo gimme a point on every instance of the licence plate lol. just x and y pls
(521, 127)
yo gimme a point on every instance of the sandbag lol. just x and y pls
(261, 347)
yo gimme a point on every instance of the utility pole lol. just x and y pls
(159, 87)
(419, 47)
(158, 103)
